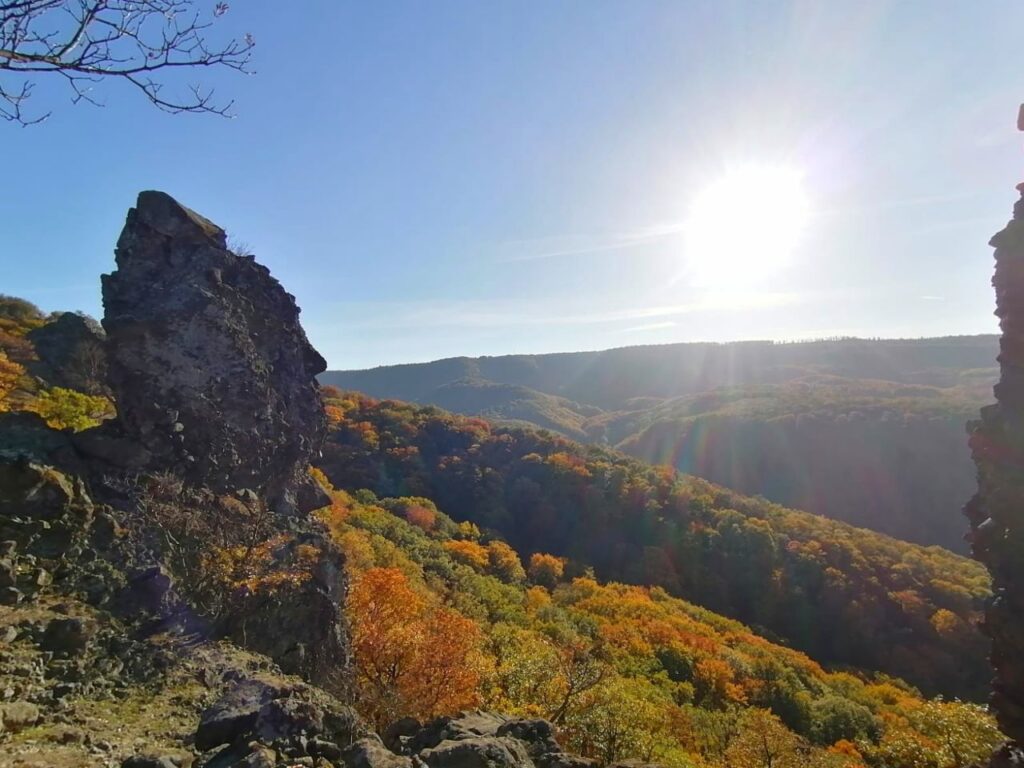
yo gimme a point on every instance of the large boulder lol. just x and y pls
(275, 712)
(72, 354)
(210, 368)
(370, 753)
(480, 752)
(465, 725)
(477, 739)
(234, 714)
(538, 736)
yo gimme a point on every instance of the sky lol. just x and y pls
(483, 178)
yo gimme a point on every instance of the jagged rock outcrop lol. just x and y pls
(211, 370)
(219, 415)
(996, 512)
(72, 354)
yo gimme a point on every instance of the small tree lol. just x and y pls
(504, 562)
(68, 409)
(546, 570)
(84, 42)
(411, 658)
(10, 374)
(468, 552)
(764, 742)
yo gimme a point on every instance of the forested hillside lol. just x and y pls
(754, 416)
(556, 588)
(622, 671)
(886, 456)
(844, 595)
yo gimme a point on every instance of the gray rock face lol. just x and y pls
(465, 725)
(72, 354)
(234, 714)
(302, 628)
(537, 735)
(368, 753)
(478, 740)
(253, 710)
(480, 752)
(995, 513)
(209, 365)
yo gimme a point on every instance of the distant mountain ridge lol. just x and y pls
(866, 431)
(609, 378)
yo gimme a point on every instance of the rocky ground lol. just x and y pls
(78, 690)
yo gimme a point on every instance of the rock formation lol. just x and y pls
(218, 417)
(209, 365)
(72, 354)
(996, 512)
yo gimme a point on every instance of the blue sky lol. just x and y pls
(440, 178)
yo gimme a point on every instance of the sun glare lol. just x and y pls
(746, 226)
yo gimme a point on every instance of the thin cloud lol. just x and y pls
(575, 245)
(649, 327)
(513, 314)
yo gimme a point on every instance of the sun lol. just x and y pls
(746, 226)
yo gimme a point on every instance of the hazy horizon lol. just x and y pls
(675, 343)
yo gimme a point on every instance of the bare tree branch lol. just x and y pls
(89, 41)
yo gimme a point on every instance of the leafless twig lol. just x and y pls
(88, 41)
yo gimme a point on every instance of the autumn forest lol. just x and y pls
(646, 613)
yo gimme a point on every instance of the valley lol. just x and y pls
(784, 421)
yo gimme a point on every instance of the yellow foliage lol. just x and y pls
(504, 562)
(67, 409)
(537, 598)
(10, 374)
(468, 553)
(946, 622)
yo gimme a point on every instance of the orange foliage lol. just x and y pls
(412, 659)
(334, 414)
(536, 599)
(714, 679)
(263, 568)
(569, 463)
(10, 373)
(546, 570)
(846, 749)
(422, 517)
(367, 434)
